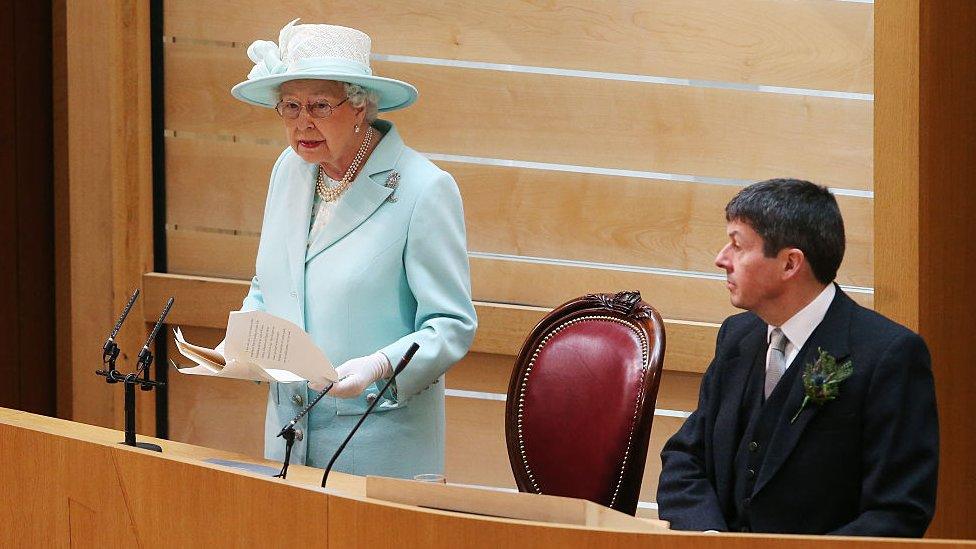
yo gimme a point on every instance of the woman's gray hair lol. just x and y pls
(363, 97)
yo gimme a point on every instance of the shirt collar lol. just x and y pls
(799, 327)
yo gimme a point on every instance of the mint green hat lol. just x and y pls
(317, 52)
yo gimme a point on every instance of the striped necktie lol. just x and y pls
(777, 360)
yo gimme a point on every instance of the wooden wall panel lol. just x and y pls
(811, 44)
(925, 139)
(518, 211)
(619, 220)
(106, 242)
(630, 125)
(217, 184)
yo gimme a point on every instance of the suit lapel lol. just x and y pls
(832, 335)
(365, 195)
(725, 440)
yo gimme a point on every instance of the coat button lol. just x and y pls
(299, 434)
(744, 529)
(751, 473)
(297, 399)
(294, 294)
(753, 446)
(745, 502)
(370, 398)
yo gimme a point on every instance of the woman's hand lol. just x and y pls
(357, 374)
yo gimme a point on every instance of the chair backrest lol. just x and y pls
(581, 400)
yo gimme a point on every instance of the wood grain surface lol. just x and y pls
(556, 119)
(812, 44)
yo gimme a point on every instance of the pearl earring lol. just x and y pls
(357, 128)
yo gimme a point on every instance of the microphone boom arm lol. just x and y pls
(403, 364)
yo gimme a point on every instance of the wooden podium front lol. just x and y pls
(70, 484)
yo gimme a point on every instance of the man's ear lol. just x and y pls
(795, 262)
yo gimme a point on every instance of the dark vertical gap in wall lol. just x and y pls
(35, 205)
(9, 267)
(159, 200)
(27, 354)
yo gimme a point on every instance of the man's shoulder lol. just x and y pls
(738, 325)
(871, 327)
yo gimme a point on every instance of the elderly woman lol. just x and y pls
(362, 245)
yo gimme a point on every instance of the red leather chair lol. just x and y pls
(581, 400)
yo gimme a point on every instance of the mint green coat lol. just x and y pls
(390, 269)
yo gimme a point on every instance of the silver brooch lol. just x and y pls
(392, 181)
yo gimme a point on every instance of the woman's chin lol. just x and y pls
(310, 154)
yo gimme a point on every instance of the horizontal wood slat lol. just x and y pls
(813, 44)
(502, 329)
(519, 211)
(494, 280)
(675, 297)
(210, 254)
(542, 118)
(205, 302)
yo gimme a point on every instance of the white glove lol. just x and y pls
(357, 374)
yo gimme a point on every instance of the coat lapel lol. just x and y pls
(298, 204)
(833, 336)
(365, 195)
(725, 442)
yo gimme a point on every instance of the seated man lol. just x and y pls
(816, 416)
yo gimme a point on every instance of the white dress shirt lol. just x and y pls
(799, 327)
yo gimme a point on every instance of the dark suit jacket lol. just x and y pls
(863, 464)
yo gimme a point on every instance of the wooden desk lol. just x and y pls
(70, 484)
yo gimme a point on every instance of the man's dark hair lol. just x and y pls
(790, 213)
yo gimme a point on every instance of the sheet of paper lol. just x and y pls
(275, 343)
(240, 370)
(259, 347)
(203, 356)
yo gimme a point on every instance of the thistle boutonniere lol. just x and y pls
(822, 379)
(392, 182)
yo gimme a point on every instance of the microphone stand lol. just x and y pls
(403, 364)
(288, 431)
(111, 351)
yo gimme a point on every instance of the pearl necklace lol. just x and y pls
(331, 194)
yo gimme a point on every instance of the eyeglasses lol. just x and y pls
(317, 109)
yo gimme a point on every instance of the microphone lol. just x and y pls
(399, 368)
(145, 355)
(110, 350)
